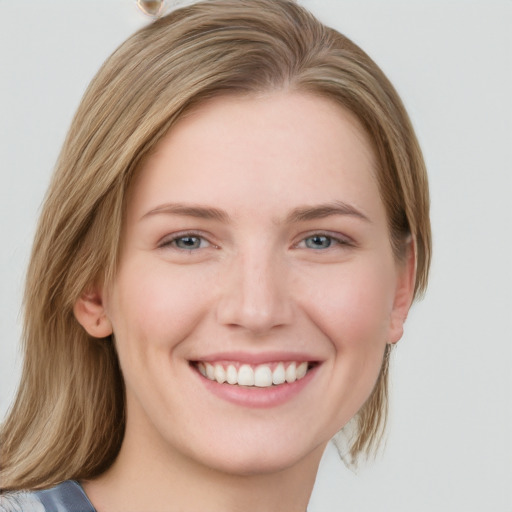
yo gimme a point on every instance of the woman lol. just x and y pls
(235, 231)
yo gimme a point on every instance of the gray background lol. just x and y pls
(449, 446)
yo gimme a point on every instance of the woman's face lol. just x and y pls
(255, 250)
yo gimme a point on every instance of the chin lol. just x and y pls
(260, 455)
(260, 463)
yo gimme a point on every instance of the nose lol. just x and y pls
(255, 294)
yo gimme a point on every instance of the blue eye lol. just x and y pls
(188, 242)
(184, 242)
(318, 242)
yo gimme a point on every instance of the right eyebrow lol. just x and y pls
(199, 212)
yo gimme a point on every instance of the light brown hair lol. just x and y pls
(68, 417)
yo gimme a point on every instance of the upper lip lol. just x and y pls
(257, 358)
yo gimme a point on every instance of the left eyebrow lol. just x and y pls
(320, 211)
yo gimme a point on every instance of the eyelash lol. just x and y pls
(172, 242)
(333, 240)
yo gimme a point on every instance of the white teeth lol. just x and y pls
(220, 374)
(245, 376)
(291, 373)
(262, 376)
(232, 375)
(279, 376)
(210, 371)
(302, 369)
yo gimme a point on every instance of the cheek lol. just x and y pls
(353, 307)
(153, 310)
(353, 312)
(155, 307)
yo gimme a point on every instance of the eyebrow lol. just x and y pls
(299, 214)
(199, 212)
(306, 213)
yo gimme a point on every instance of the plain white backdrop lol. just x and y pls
(449, 446)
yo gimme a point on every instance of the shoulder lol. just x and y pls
(65, 497)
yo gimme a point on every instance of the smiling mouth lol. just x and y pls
(260, 376)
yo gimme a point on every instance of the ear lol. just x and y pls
(404, 293)
(90, 312)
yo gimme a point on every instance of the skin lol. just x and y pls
(260, 281)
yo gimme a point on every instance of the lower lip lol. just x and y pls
(256, 397)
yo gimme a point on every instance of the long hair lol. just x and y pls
(68, 417)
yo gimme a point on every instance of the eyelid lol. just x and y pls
(168, 239)
(339, 238)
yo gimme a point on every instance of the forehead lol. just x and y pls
(259, 149)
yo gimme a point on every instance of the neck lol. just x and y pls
(143, 478)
